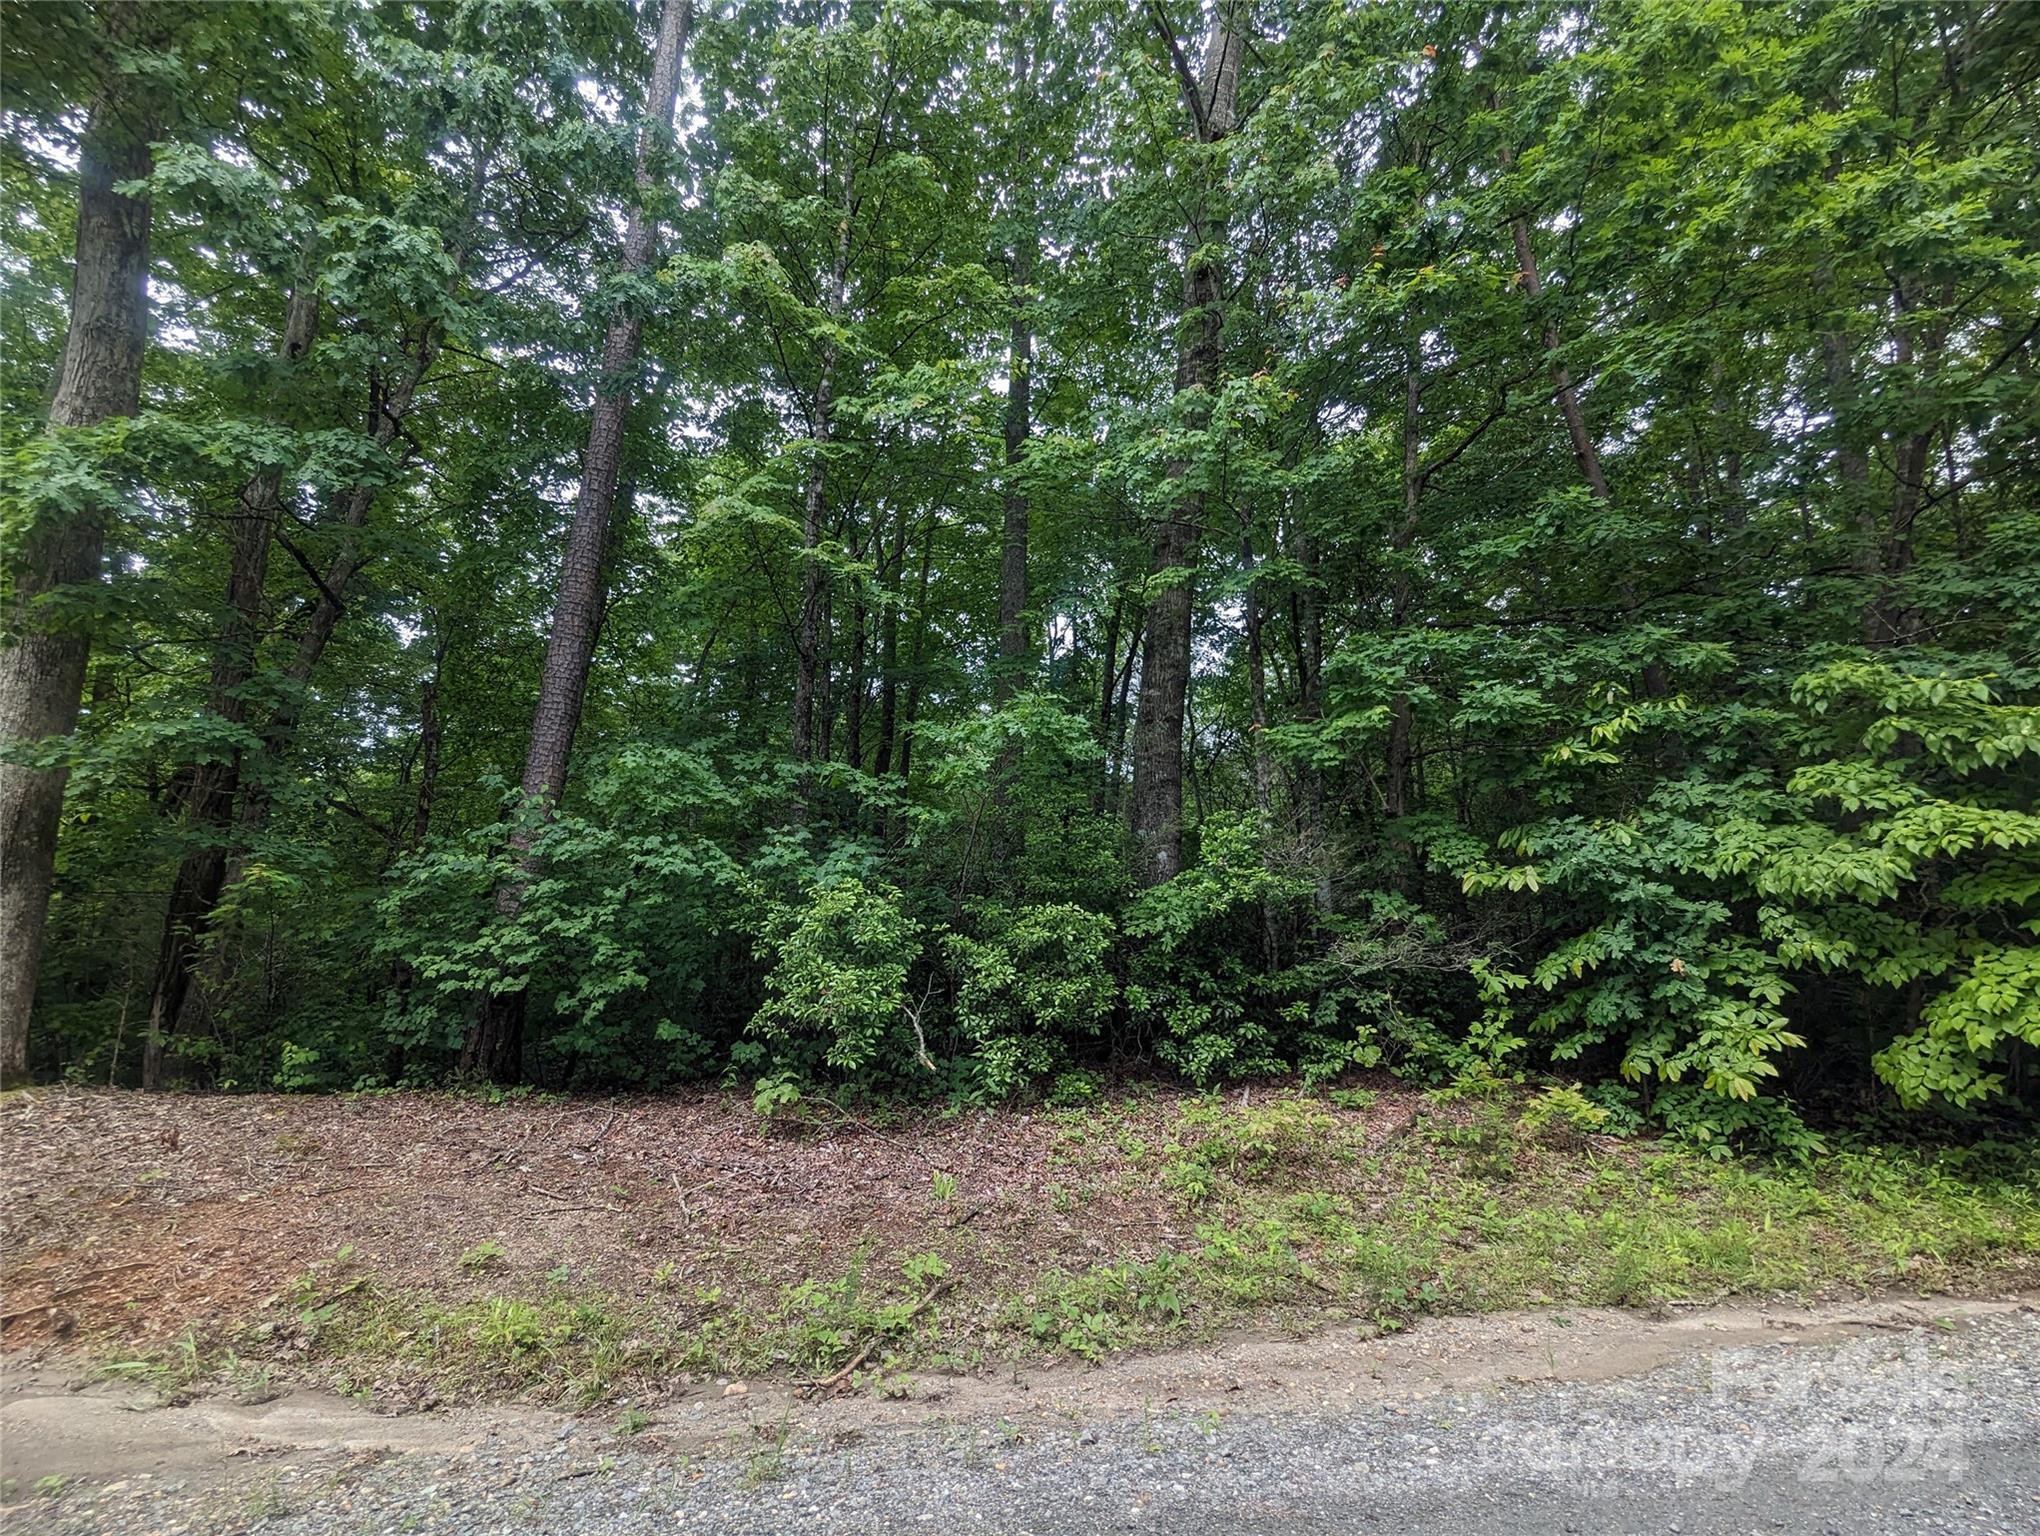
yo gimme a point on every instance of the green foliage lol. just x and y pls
(775, 1095)
(1074, 1090)
(1879, 850)
(836, 993)
(1034, 984)
(486, 1254)
(1190, 980)
(1243, 1147)
(508, 1328)
(1622, 671)
(620, 937)
(1564, 1103)
(1105, 1308)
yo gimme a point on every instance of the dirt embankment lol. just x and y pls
(131, 1216)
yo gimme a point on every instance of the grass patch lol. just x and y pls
(1491, 1208)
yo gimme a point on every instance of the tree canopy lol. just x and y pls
(1469, 536)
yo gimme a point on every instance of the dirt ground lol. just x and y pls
(60, 1424)
(129, 1216)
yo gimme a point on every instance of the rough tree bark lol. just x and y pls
(1015, 644)
(210, 787)
(809, 638)
(494, 1046)
(1211, 100)
(42, 663)
(256, 790)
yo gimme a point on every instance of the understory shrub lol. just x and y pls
(1893, 850)
(1033, 981)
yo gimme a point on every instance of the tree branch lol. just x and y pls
(1193, 95)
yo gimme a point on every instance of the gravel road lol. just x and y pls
(1895, 1419)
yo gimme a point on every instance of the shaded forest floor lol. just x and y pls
(417, 1248)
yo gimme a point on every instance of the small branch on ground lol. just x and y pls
(567, 1200)
(835, 1380)
(607, 1126)
(85, 1284)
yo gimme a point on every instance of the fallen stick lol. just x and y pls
(836, 1379)
(567, 1200)
(85, 1284)
(607, 1126)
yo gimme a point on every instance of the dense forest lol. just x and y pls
(895, 546)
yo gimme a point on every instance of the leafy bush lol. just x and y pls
(620, 938)
(1192, 983)
(837, 987)
(1890, 849)
(1035, 981)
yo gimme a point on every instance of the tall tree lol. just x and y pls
(1022, 253)
(1210, 100)
(210, 786)
(494, 1046)
(1014, 641)
(48, 605)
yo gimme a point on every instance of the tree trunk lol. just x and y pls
(1014, 641)
(1108, 664)
(495, 1041)
(1257, 731)
(279, 731)
(808, 640)
(1307, 642)
(1655, 684)
(431, 733)
(1115, 758)
(431, 726)
(1584, 451)
(825, 681)
(42, 672)
(391, 401)
(1102, 796)
(1157, 810)
(854, 686)
(257, 791)
(209, 799)
(1887, 619)
(919, 664)
(889, 650)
